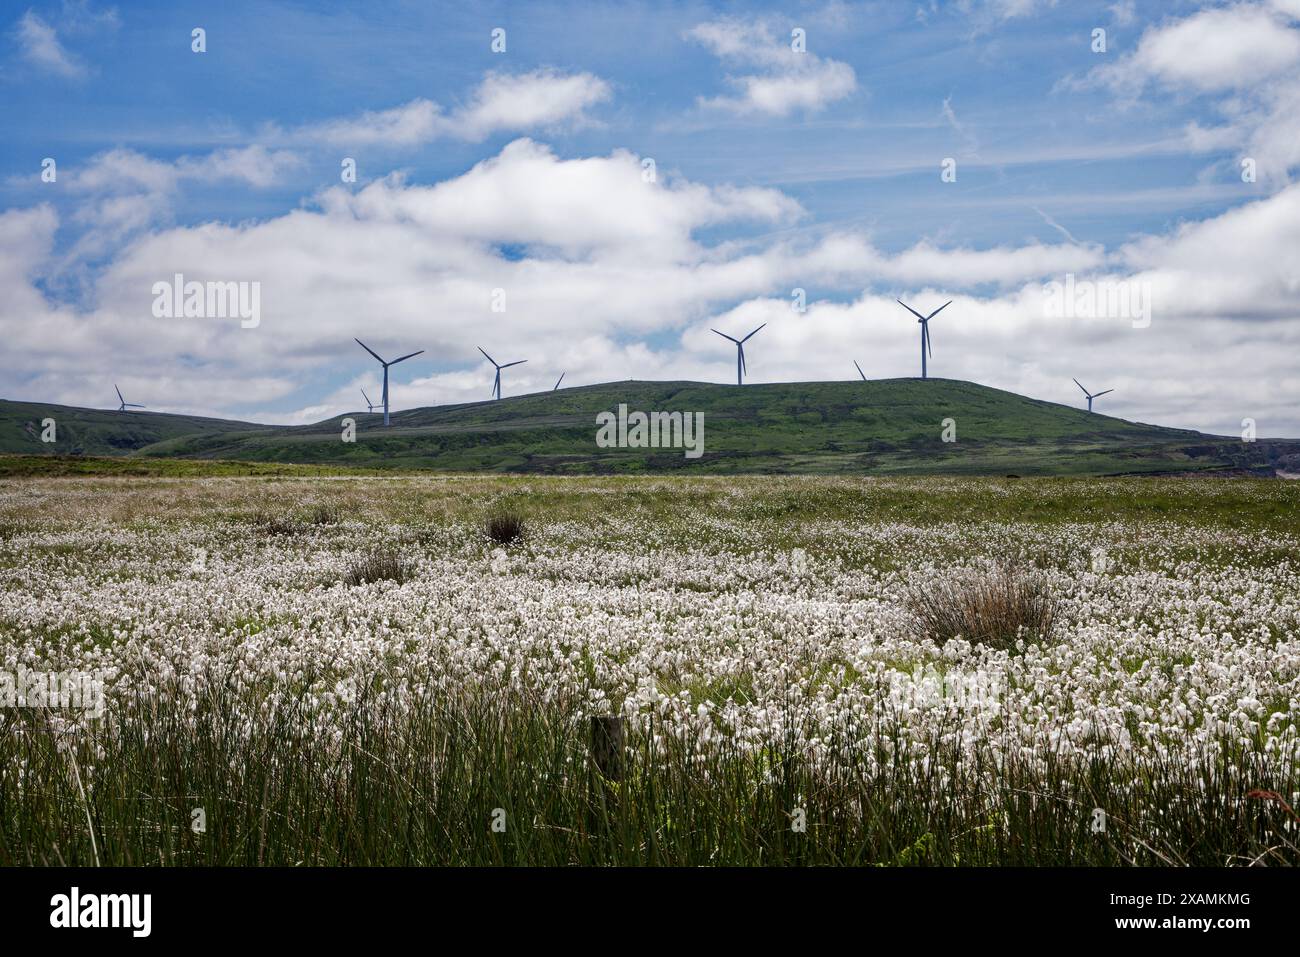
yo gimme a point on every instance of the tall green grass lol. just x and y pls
(423, 784)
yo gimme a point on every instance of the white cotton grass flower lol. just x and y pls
(1175, 646)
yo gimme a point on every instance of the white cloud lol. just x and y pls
(407, 125)
(126, 191)
(606, 278)
(593, 206)
(540, 99)
(502, 102)
(1246, 56)
(786, 82)
(255, 165)
(1219, 49)
(126, 170)
(40, 46)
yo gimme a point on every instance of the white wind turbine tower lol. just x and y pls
(409, 355)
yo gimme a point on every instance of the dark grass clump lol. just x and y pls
(325, 514)
(505, 527)
(271, 525)
(381, 566)
(997, 607)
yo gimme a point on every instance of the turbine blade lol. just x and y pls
(1080, 385)
(859, 368)
(939, 310)
(405, 357)
(366, 397)
(746, 339)
(929, 346)
(518, 363)
(1107, 392)
(367, 348)
(558, 381)
(743, 367)
(725, 336)
(486, 356)
(119, 393)
(910, 309)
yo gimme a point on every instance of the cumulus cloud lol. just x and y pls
(123, 191)
(1218, 49)
(1246, 57)
(606, 277)
(785, 82)
(589, 206)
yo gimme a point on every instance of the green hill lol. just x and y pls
(879, 427)
(98, 431)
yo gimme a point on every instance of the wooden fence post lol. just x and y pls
(607, 745)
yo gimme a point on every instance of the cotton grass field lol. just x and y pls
(321, 671)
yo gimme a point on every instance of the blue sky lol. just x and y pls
(775, 170)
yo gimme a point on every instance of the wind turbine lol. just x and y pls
(859, 368)
(925, 328)
(386, 365)
(558, 381)
(370, 406)
(1090, 395)
(741, 369)
(125, 405)
(496, 383)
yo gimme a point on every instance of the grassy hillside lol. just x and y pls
(98, 431)
(890, 426)
(879, 427)
(136, 467)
